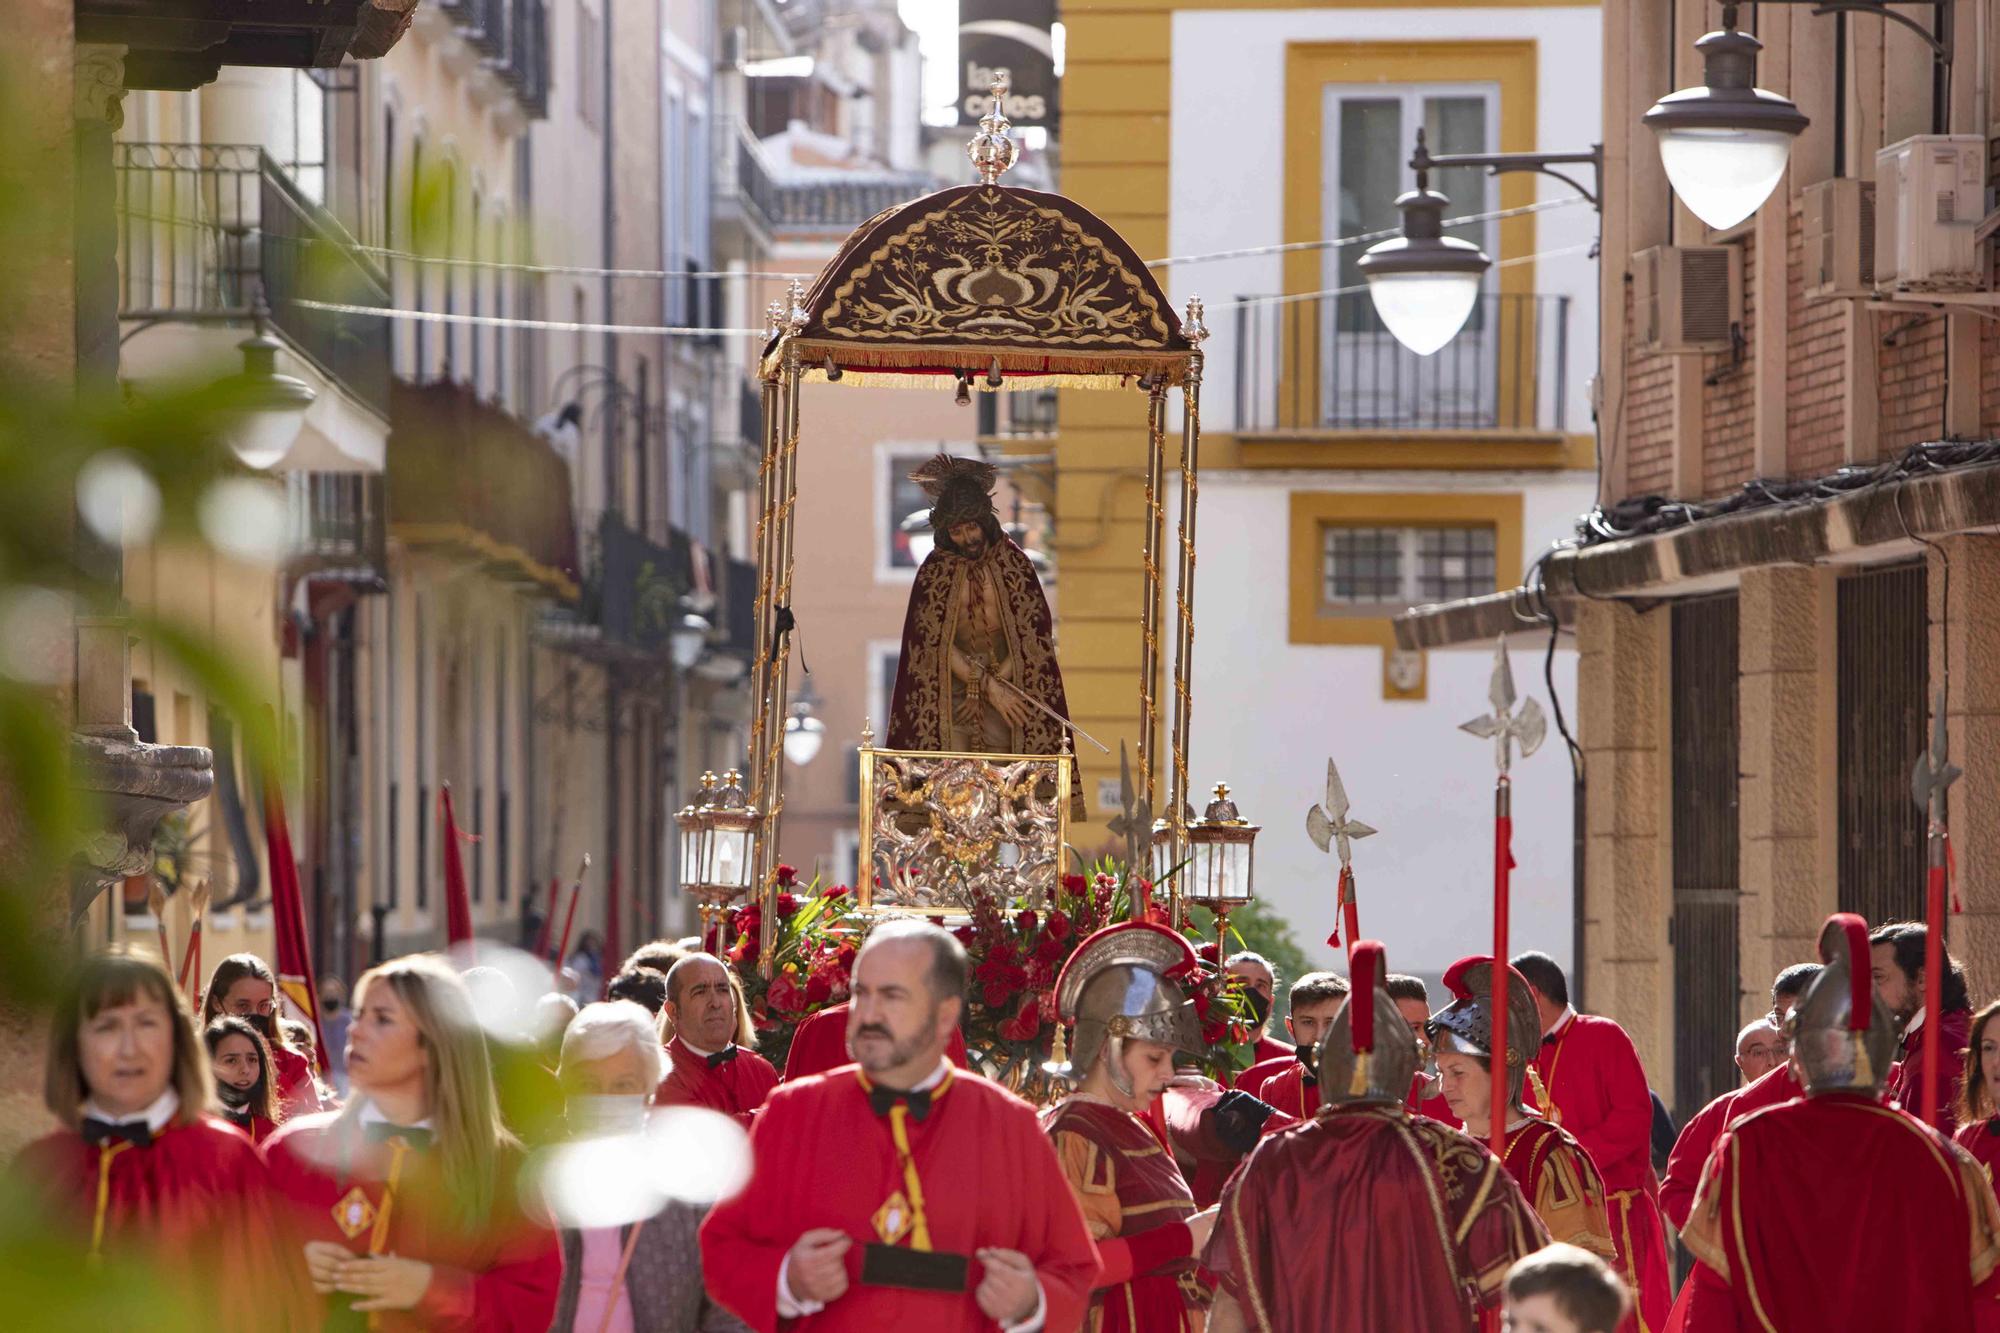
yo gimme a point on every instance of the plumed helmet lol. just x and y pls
(1369, 1053)
(1843, 1037)
(1127, 981)
(961, 490)
(1466, 1024)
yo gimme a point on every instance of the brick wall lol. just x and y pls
(1728, 409)
(1815, 351)
(1912, 379)
(1989, 375)
(1649, 417)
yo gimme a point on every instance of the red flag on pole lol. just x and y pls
(548, 919)
(457, 902)
(614, 937)
(288, 919)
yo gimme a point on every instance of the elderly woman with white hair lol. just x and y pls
(646, 1275)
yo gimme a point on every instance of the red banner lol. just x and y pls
(288, 919)
(457, 902)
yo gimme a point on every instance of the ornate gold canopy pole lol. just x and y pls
(1177, 796)
(1149, 629)
(767, 565)
(776, 624)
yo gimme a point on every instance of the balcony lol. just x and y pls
(340, 524)
(1327, 363)
(509, 40)
(466, 475)
(738, 431)
(1028, 414)
(204, 228)
(635, 588)
(841, 206)
(745, 193)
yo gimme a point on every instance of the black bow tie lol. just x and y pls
(381, 1131)
(1549, 1040)
(723, 1056)
(134, 1132)
(882, 1100)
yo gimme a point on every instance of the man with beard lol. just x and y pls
(1897, 965)
(901, 1192)
(978, 651)
(708, 1067)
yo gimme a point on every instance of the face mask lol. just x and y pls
(234, 1097)
(264, 1023)
(1309, 1061)
(1260, 1006)
(594, 1114)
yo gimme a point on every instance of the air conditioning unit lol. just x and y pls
(1839, 217)
(1686, 298)
(1930, 195)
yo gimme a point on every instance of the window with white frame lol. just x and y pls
(1376, 568)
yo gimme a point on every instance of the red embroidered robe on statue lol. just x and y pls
(1906, 1082)
(500, 1278)
(734, 1086)
(825, 1159)
(1136, 1205)
(1698, 1136)
(1592, 1073)
(1838, 1212)
(195, 1202)
(819, 1046)
(1368, 1219)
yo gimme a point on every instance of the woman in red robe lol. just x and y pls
(243, 986)
(404, 1205)
(243, 1081)
(1137, 1205)
(141, 1173)
(1979, 1092)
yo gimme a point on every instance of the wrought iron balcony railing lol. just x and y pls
(742, 180)
(1328, 363)
(340, 524)
(203, 229)
(817, 205)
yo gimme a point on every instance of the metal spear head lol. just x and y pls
(1505, 726)
(1327, 824)
(1135, 818)
(1934, 772)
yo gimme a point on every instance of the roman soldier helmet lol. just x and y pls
(1843, 1037)
(961, 490)
(1369, 1053)
(1127, 981)
(1466, 1024)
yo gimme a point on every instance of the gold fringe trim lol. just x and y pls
(934, 366)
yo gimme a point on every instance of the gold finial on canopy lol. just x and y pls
(796, 317)
(993, 149)
(774, 318)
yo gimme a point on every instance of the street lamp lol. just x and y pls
(687, 639)
(1724, 144)
(803, 732)
(1425, 283)
(267, 409)
(718, 840)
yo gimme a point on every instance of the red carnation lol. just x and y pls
(834, 891)
(1213, 1033)
(1210, 953)
(1202, 1004)
(965, 934)
(844, 957)
(819, 988)
(1024, 920)
(1049, 950)
(787, 876)
(1057, 925)
(787, 906)
(1041, 975)
(1074, 885)
(997, 993)
(1003, 952)
(740, 950)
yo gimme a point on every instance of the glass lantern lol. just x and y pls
(695, 828)
(1221, 846)
(718, 841)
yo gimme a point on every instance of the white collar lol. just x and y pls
(157, 1116)
(693, 1049)
(1915, 1024)
(1569, 1013)
(371, 1114)
(928, 1081)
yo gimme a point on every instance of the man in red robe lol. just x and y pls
(1897, 965)
(978, 641)
(820, 1045)
(1366, 1218)
(1291, 1083)
(1836, 1211)
(708, 1068)
(1698, 1135)
(901, 1193)
(1596, 1089)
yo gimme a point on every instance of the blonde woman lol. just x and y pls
(142, 1171)
(406, 1198)
(243, 986)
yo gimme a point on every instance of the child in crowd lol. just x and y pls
(1564, 1289)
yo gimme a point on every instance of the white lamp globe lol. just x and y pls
(803, 736)
(1724, 145)
(1424, 283)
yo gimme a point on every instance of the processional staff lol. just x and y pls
(1929, 781)
(1328, 826)
(1504, 726)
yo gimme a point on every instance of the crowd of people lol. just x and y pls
(1346, 1181)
